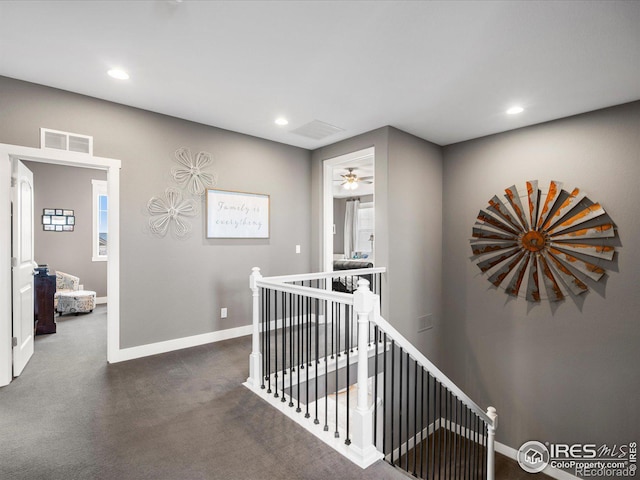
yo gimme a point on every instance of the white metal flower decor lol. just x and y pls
(560, 240)
(172, 208)
(191, 174)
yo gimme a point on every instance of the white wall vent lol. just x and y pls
(72, 142)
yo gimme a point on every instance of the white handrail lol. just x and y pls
(319, 293)
(318, 275)
(435, 372)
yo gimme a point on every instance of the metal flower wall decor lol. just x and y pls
(171, 209)
(559, 240)
(191, 174)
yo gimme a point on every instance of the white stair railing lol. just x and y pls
(307, 341)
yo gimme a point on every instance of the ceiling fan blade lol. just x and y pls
(370, 177)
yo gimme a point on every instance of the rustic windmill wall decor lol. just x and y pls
(559, 241)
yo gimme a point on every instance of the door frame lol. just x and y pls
(71, 159)
(327, 199)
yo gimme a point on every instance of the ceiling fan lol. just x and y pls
(350, 180)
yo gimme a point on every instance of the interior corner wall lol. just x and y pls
(408, 219)
(563, 372)
(174, 288)
(415, 233)
(69, 188)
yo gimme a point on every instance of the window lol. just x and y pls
(100, 230)
(365, 227)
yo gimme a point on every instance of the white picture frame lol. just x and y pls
(232, 214)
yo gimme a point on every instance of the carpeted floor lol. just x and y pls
(182, 415)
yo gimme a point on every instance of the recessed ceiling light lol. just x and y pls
(118, 73)
(514, 110)
(282, 121)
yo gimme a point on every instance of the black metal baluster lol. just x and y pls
(408, 411)
(291, 365)
(300, 350)
(439, 441)
(275, 345)
(432, 393)
(263, 349)
(415, 416)
(347, 340)
(385, 381)
(393, 409)
(268, 341)
(283, 334)
(467, 468)
(326, 369)
(308, 351)
(455, 437)
(400, 416)
(375, 392)
(317, 362)
(446, 431)
(333, 328)
(422, 426)
(336, 434)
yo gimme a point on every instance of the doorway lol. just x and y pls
(11, 153)
(348, 177)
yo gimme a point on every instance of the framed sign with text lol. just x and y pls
(237, 214)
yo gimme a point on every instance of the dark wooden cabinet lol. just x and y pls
(43, 309)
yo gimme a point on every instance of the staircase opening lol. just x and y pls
(324, 356)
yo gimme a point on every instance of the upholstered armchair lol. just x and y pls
(65, 283)
(69, 298)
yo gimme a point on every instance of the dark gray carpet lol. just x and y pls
(181, 415)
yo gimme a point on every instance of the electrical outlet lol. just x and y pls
(425, 323)
(223, 312)
(297, 248)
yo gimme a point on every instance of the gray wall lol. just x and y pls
(174, 288)
(408, 198)
(563, 372)
(57, 186)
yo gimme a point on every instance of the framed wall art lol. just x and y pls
(58, 220)
(237, 214)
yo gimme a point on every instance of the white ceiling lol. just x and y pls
(444, 71)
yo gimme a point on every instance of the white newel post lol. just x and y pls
(362, 442)
(255, 359)
(491, 433)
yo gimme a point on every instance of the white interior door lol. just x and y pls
(23, 265)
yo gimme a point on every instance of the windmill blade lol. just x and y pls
(570, 280)
(533, 196)
(484, 248)
(499, 275)
(600, 231)
(491, 220)
(571, 201)
(533, 287)
(495, 260)
(516, 281)
(588, 213)
(590, 270)
(553, 289)
(496, 206)
(598, 251)
(514, 199)
(479, 232)
(554, 191)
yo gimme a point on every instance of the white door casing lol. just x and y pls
(23, 266)
(8, 153)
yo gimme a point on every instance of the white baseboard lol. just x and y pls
(512, 453)
(101, 300)
(131, 353)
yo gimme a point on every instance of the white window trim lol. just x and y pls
(99, 187)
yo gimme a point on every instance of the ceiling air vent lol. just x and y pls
(72, 142)
(317, 130)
